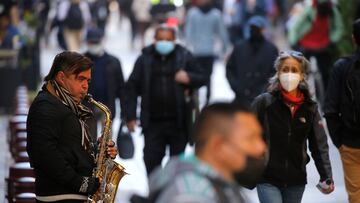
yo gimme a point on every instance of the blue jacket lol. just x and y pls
(114, 81)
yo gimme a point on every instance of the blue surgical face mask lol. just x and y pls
(164, 47)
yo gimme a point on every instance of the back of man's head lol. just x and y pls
(215, 119)
(356, 31)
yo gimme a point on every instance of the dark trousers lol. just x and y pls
(157, 136)
(206, 63)
(324, 61)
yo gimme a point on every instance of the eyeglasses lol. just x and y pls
(295, 54)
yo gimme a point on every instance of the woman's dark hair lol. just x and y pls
(70, 63)
(356, 31)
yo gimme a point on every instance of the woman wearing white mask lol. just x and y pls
(290, 120)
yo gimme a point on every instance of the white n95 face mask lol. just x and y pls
(289, 81)
(96, 49)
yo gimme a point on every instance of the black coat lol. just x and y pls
(139, 82)
(249, 68)
(338, 106)
(114, 80)
(54, 147)
(287, 139)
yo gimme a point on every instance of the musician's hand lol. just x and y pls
(111, 149)
(131, 125)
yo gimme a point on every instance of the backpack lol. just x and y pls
(74, 19)
(154, 195)
(352, 84)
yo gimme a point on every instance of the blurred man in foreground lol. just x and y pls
(224, 137)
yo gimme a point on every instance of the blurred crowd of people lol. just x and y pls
(200, 24)
(189, 37)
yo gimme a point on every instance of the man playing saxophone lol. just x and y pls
(59, 144)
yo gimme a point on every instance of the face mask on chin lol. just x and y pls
(289, 81)
(96, 49)
(164, 47)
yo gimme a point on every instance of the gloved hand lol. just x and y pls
(89, 185)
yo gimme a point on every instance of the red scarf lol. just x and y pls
(293, 101)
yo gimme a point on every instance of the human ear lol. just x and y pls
(60, 76)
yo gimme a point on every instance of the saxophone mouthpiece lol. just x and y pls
(88, 98)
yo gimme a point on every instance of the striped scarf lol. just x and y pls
(81, 111)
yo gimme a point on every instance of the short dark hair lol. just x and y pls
(213, 118)
(70, 63)
(356, 31)
(164, 27)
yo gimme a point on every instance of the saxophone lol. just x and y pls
(108, 171)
